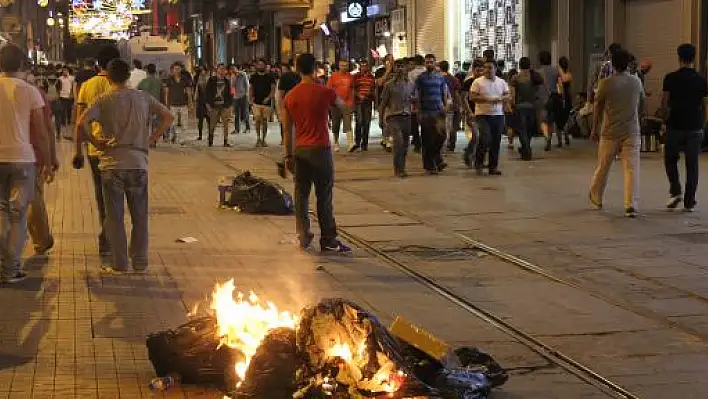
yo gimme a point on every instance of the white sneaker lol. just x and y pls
(336, 148)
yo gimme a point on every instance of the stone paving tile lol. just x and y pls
(71, 332)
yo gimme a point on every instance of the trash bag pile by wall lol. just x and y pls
(304, 362)
(251, 194)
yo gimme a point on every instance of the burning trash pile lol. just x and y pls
(333, 349)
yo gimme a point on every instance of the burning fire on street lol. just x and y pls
(333, 349)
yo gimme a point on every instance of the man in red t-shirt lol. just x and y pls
(342, 82)
(365, 89)
(309, 156)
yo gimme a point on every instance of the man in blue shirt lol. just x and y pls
(433, 99)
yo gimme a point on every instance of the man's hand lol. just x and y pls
(290, 164)
(78, 161)
(47, 174)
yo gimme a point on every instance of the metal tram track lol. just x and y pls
(552, 355)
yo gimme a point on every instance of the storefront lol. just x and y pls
(399, 36)
(358, 29)
(486, 24)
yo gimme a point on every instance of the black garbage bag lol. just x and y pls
(271, 372)
(194, 352)
(253, 194)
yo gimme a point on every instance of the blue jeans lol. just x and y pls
(120, 185)
(17, 182)
(241, 113)
(689, 142)
(491, 128)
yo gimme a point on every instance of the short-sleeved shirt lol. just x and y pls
(524, 85)
(67, 86)
(343, 85)
(687, 90)
(91, 91)
(177, 91)
(364, 83)
(489, 88)
(431, 88)
(151, 85)
(308, 105)
(288, 82)
(124, 115)
(17, 101)
(262, 83)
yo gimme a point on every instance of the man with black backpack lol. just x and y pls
(523, 93)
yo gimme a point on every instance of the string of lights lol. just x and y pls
(104, 17)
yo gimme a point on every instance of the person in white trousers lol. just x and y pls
(619, 99)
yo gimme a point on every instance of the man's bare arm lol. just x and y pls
(288, 132)
(39, 139)
(166, 120)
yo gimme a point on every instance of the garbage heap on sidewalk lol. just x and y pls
(333, 349)
(251, 194)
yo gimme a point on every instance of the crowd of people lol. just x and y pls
(116, 112)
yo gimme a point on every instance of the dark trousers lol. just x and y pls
(104, 246)
(491, 129)
(241, 113)
(688, 142)
(452, 139)
(432, 136)
(399, 130)
(363, 115)
(200, 124)
(58, 112)
(525, 126)
(314, 166)
(67, 105)
(415, 131)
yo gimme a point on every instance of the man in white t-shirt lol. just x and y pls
(489, 93)
(24, 148)
(66, 98)
(136, 75)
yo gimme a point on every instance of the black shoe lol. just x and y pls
(16, 278)
(353, 148)
(442, 167)
(199, 138)
(630, 212)
(690, 207)
(495, 172)
(306, 242)
(227, 145)
(548, 145)
(402, 174)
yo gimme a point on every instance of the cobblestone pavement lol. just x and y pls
(70, 332)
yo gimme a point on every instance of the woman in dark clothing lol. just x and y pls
(200, 80)
(566, 78)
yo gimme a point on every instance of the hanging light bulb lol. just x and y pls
(50, 21)
(42, 3)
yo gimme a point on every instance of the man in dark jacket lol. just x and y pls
(219, 100)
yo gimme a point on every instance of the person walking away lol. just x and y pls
(489, 93)
(66, 97)
(342, 82)
(396, 107)
(262, 92)
(152, 86)
(382, 75)
(37, 217)
(548, 98)
(566, 104)
(417, 67)
(51, 86)
(90, 92)
(201, 111)
(24, 149)
(136, 75)
(618, 103)
(219, 102)
(124, 115)
(523, 88)
(453, 87)
(288, 80)
(365, 91)
(178, 98)
(309, 156)
(471, 127)
(87, 71)
(602, 70)
(433, 101)
(683, 104)
(241, 89)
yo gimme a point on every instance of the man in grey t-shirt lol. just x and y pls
(618, 102)
(123, 114)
